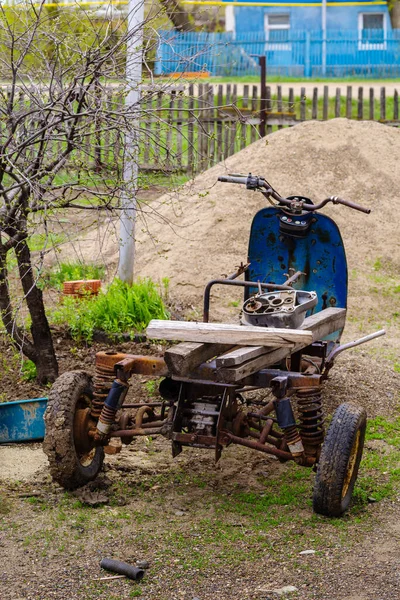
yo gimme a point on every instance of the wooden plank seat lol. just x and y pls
(232, 363)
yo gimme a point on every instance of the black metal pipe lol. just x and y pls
(245, 284)
(122, 568)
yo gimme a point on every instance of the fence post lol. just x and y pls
(314, 111)
(326, 103)
(395, 106)
(303, 104)
(279, 104)
(360, 112)
(383, 104)
(337, 103)
(371, 104)
(263, 80)
(348, 102)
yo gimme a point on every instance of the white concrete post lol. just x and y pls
(134, 51)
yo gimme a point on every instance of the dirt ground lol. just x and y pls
(235, 530)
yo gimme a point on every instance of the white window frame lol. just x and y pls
(362, 45)
(268, 28)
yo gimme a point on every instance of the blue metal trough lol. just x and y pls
(22, 420)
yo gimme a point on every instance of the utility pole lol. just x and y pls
(131, 155)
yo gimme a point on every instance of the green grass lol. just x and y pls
(72, 271)
(122, 308)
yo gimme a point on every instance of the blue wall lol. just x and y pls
(251, 18)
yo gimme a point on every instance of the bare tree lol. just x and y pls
(58, 70)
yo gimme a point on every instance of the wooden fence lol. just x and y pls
(190, 128)
(201, 125)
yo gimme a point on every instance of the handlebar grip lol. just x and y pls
(233, 179)
(353, 205)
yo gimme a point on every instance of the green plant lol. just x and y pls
(28, 370)
(152, 386)
(72, 272)
(122, 308)
(165, 288)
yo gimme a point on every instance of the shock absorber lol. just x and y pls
(286, 421)
(312, 418)
(112, 403)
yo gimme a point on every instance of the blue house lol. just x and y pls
(299, 38)
(277, 19)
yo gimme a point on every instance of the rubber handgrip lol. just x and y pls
(122, 568)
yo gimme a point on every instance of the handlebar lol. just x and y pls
(252, 182)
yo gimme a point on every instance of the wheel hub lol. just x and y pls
(82, 424)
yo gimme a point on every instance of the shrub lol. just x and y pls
(122, 308)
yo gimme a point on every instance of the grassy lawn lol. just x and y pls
(191, 525)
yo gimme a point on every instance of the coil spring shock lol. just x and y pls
(102, 382)
(293, 440)
(312, 418)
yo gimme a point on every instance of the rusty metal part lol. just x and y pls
(207, 373)
(258, 446)
(253, 305)
(135, 432)
(295, 380)
(124, 422)
(135, 364)
(239, 424)
(266, 431)
(294, 441)
(102, 382)
(311, 420)
(140, 404)
(83, 422)
(143, 410)
(107, 415)
(195, 439)
(269, 440)
(267, 409)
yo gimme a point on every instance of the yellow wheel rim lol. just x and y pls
(351, 464)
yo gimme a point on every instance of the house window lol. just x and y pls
(371, 31)
(277, 32)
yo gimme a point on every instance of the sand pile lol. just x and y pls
(210, 221)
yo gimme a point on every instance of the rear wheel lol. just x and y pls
(339, 461)
(73, 458)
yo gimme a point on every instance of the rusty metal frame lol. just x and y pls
(252, 429)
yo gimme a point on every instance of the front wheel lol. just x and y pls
(339, 461)
(73, 458)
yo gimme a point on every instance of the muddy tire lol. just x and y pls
(339, 461)
(73, 462)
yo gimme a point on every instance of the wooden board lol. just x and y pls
(224, 333)
(184, 357)
(320, 325)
